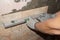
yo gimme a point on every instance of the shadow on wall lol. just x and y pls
(33, 4)
(54, 5)
(40, 3)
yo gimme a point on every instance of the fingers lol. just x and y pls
(56, 32)
(52, 32)
(58, 13)
(53, 23)
(48, 30)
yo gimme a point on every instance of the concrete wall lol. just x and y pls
(9, 6)
(19, 32)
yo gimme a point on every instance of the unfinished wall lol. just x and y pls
(12, 7)
(19, 32)
(9, 6)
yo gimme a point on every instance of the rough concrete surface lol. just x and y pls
(20, 32)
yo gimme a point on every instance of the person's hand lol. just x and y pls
(55, 22)
(50, 26)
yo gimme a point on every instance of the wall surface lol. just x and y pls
(8, 6)
(19, 10)
(19, 32)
